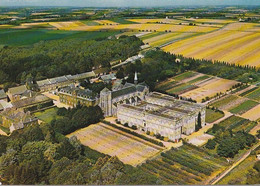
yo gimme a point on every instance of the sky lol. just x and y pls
(124, 3)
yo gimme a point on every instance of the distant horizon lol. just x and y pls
(125, 3)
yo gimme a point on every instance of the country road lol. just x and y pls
(234, 164)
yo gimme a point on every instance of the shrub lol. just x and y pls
(211, 144)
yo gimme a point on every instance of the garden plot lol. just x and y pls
(209, 89)
(228, 102)
(108, 140)
(252, 114)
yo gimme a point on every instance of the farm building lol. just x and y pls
(3, 95)
(33, 103)
(163, 114)
(16, 93)
(16, 119)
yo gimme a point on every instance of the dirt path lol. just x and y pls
(216, 180)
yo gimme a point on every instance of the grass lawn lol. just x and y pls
(244, 107)
(212, 115)
(31, 36)
(48, 115)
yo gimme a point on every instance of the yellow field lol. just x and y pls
(209, 89)
(161, 39)
(169, 21)
(108, 140)
(77, 25)
(106, 22)
(253, 114)
(71, 25)
(237, 43)
(219, 21)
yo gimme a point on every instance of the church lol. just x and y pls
(129, 93)
(152, 111)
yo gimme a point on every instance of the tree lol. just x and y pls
(198, 126)
(211, 144)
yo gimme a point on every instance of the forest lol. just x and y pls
(48, 59)
(40, 154)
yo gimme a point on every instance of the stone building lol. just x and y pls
(17, 93)
(17, 119)
(33, 103)
(3, 95)
(163, 114)
(129, 94)
(72, 96)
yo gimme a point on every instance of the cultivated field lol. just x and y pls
(185, 165)
(195, 85)
(108, 140)
(238, 175)
(212, 115)
(209, 88)
(79, 26)
(31, 36)
(235, 124)
(252, 114)
(236, 43)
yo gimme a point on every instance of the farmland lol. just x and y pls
(255, 95)
(244, 107)
(235, 124)
(212, 115)
(195, 85)
(239, 44)
(79, 26)
(25, 37)
(185, 165)
(239, 174)
(108, 140)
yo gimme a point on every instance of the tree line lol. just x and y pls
(48, 59)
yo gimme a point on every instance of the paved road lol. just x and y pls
(235, 164)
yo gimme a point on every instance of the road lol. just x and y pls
(216, 180)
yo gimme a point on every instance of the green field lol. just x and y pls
(201, 78)
(31, 36)
(184, 75)
(212, 115)
(150, 35)
(255, 95)
(244, 107)
(185, 165)
(48, 115)
(181, 88)
(225, 101)
(248, 91)
(122, 21)
(173, 87)
(235, 124)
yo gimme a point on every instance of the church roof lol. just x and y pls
(105, 90)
